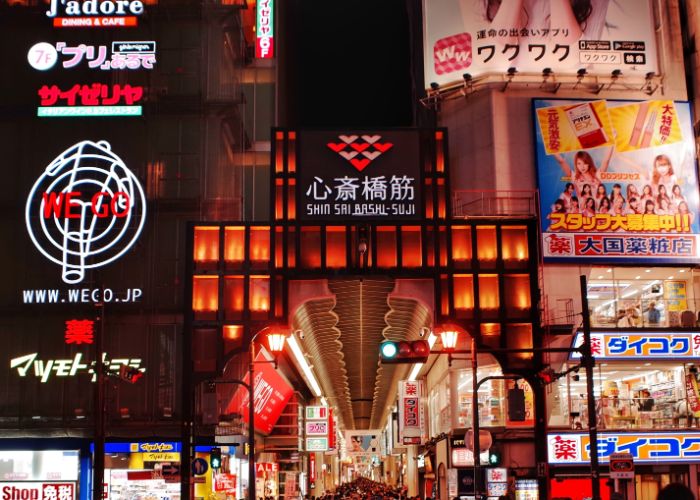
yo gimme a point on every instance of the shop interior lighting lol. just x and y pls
(305, 368)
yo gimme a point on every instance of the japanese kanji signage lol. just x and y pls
(265, 29)
(96, 99)
(317, 424)
(618, 181)
(410, 411)
(359, 175)
(466, 36)
(649, 345)
(37, 490)
(644, 447)
(270, 395)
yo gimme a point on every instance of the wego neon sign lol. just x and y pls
(86, 210)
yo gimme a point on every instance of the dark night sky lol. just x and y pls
(351, 63)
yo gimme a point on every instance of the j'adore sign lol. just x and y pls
(360, 175)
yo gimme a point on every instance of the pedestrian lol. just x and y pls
(675, 491)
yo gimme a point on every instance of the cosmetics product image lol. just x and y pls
(639, 124)
(587, 125)
(648, 131)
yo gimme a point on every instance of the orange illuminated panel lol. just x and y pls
(486, 249)
(440, 149)
(444, 295)
(517, 294)
(206, 244)
(234, 244)
(430, 247)
(488, 294)
(279, 296)
(291, 200)
(279, 152)
(443, 245)
(279, 200)
(491, 334)
(461, 246)
(234, 297)
(442, 202)
(291, 247)
(205, 296)
(311, 247)
(260, 244)
(428, 199)
(259, 294)
(514, 244)
(336, 247)
(519, 336)
(292, 153)
(463, 292)
(386, 247)
(279, 247)
(233, 332)
(411, 248)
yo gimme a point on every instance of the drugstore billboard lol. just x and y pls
(487, 36)
(618, 181)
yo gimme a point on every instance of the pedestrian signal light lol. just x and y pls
(494, 457)
(129, 374)
(416, 351)
(516, 405)
(547, 376)
(215, 458)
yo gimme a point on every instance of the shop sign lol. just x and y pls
(316, 428)
(645, 447)
(86, 210)
(317, 444)
(94, 13)
(37, 491)
(316, 412)
(161, 457)
(265, 29)
(29, 365)
(266, 467)
(618, 181)
(225, 483)
(97, 99)
(131, 55)
(475, 37)
(271, 393)
(410, 411)
(621, 466)
(360, 175)
(159, 447)
(626, 345)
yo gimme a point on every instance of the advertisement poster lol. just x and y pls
(360, 443)
(617, 180)
(675, 296)
(480, 36)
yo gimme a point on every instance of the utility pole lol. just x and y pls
(99, 409)
(588, 363)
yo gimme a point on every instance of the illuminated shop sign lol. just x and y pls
(264, 29)
(618, 181)
(96, 99)
(37, 491)
(94, 13)
(147, 447)
(152, 447)
(86, 210)
(317, 444)
(124, 55)
(316, 428)
(359, 175)
(410, 412)
(649, 345)
(30, 365)
(645, 447)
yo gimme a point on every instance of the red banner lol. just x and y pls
(271, 393)
(691, 387)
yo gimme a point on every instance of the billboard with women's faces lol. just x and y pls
(490, 36)
(618, 181)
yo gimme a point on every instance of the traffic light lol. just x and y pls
(416, 351)
(129, 374)
(215, 458)
(495, 457)
(516, 404)
(547, 376)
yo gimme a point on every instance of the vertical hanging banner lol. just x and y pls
(618, 181)
(481, 37)
(410, 411)
(264, 29)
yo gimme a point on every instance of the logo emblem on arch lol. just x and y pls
(360, 150)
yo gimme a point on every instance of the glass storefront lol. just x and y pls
(655, 297)
(40, 474)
